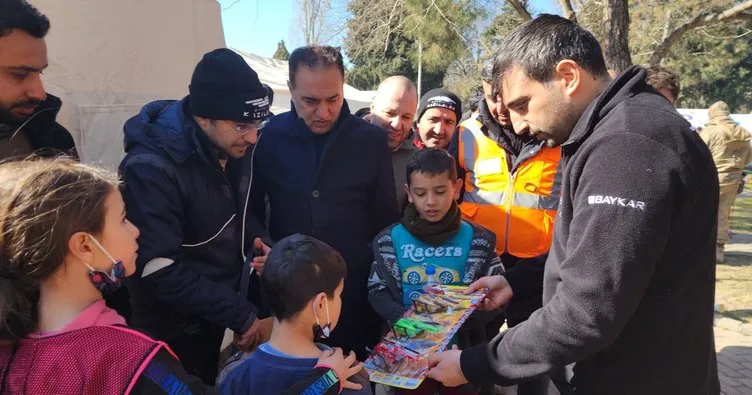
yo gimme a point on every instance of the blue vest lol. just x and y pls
(414, 256)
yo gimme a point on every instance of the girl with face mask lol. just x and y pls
(64, 242)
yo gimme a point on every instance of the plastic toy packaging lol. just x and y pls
(429, 326)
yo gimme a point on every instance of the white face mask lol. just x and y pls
(322, 332)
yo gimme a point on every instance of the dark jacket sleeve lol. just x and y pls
(382, 200)
(383, 290)
(606, 268)
(491, 266)
(164, 375)
(155, 207)
(259, 207)
(526, 276)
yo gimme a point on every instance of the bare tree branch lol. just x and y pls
(388, 26)
(520, 9)
(666, 24)
(230, 5)
(705, 32)
(457, 30)
(566, 7)
(731, 14)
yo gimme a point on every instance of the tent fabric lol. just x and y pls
(698, 117)
(107, 58)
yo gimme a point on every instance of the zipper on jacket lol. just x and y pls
(510, 188)
(245, 207)
(227, 182)
(521, 159)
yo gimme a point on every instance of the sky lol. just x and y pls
(256, 26)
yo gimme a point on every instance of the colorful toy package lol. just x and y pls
(400, 359)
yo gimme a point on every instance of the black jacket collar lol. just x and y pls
(627, 85)
(43, 131)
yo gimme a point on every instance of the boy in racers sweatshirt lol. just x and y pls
(431, 242)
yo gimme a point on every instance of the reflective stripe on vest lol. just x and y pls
(519, 207)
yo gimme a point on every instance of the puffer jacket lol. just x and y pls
(196, 228)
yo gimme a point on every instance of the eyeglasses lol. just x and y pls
(242, 128)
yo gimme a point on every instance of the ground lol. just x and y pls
(734, 362)
(734, 293)
(734, 276)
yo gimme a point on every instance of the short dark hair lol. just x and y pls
(431, 161)
(315, 56)
(19, 14)
(662, 78)
(475, 97)
(362, 112)
(486, 72)
(297, 269)
(538, 45)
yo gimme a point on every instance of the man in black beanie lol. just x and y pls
(438, 113)
(187, 175)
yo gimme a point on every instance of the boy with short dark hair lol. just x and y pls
(432, 242)
(302, 286)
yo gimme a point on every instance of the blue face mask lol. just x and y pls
(106, 283)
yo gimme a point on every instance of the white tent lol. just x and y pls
(274, 73)
(107, 58)
(698, 117)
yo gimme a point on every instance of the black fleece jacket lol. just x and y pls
(629, 283)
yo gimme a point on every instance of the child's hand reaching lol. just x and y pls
(343, 367)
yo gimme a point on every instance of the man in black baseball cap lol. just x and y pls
(438, 113)
(187, 175)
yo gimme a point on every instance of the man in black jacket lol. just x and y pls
(187, 175)
(629, 282)
(328, 174)
(27, 112)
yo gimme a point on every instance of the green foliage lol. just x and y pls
(459, 35)
(713, 63)
(383, 38)
(503, 23)
(281, 53)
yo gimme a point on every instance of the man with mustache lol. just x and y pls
(328, 174)
(438, 115)
(27, 112)
(393, 109)
(510, 188)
